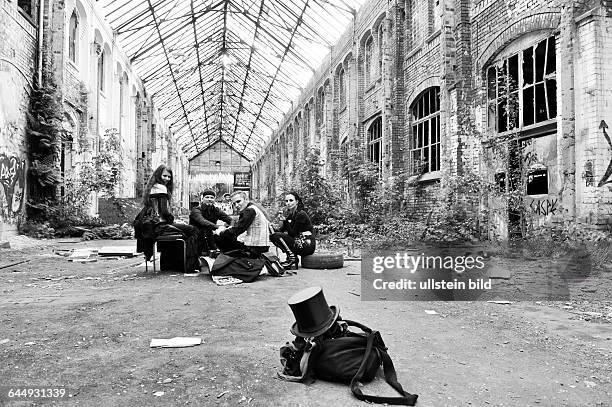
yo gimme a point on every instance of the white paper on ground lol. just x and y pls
(178, 342)
(117, 251)
(81, 254)
(226, 280)
(430, 312)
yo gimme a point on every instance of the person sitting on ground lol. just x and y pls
(226, 204)
(295, 236)
(156, 219)
(252, 222)
(205, 217)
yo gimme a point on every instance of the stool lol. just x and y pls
(163, 240)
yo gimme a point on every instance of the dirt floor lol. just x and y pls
(87, 327)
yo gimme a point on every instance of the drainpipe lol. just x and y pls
(41, 13)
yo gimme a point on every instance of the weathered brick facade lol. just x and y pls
(395, 57)
(17, 70)
(100, 92)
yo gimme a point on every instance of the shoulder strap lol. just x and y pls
(406, 398)
(358, 325)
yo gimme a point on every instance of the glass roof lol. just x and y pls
(226, 69)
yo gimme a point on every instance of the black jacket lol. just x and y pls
(296, 223)
(205, 217)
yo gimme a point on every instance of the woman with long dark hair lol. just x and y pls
(295, 237)
(156, 218)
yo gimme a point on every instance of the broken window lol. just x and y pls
(522, 89)
(425, 151)
(375, 143)
(537, 181)
(73, 30)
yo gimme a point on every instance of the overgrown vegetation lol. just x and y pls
(68, 214)
(44, 136)
(377, 213)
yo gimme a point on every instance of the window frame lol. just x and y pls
(374, 149)
(523, 91)
(425, 119)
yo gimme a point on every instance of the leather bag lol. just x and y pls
(355, 358)
(243, 268)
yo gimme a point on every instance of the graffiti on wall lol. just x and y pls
(544, 207)
(12, 178)
(588, 174)
(606, 177)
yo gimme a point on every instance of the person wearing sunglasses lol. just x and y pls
(295, 237)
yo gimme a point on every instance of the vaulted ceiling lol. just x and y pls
(226, 69)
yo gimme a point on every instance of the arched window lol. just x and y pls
(522, 88)
(375, 143)
(73, 36)
(342, 88)
(425, 145)
(367, 62)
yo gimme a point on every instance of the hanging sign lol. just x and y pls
(242, 180)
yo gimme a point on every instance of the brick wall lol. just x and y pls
(448, 45)
(17, 70)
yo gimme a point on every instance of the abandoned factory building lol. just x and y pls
(430, 87)
(425, 88)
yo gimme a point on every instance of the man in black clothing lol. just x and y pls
(205, 217)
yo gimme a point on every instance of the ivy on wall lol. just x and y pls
(44, 135)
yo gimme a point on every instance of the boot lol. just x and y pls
(291, 259)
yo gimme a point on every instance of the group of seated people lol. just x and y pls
(250, 233)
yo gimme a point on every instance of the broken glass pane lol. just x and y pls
(502, 118)
(528, 66)
(537, 182)
(528, 114)
(551, 93)
(540, 55)
(551, 57)
(513, 73)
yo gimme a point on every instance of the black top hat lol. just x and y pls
(312, 314)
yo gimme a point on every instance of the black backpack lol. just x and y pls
(348, 357)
